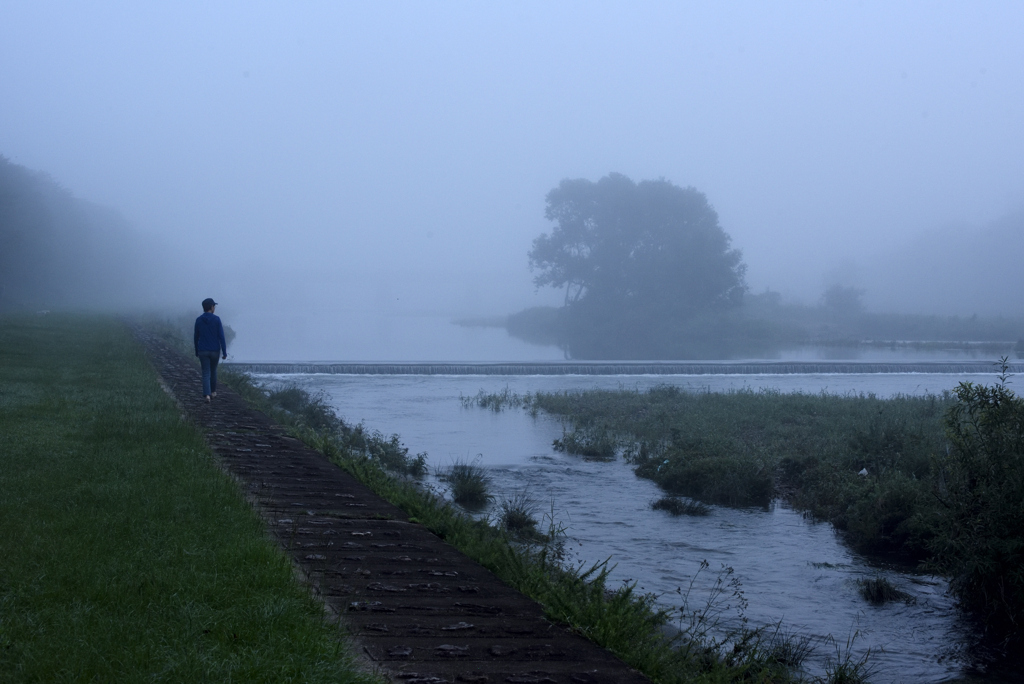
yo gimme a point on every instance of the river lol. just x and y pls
(791, 570)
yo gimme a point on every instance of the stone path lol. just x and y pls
(422, 611)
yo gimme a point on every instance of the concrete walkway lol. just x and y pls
(421, 611)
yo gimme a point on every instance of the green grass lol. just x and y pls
(125, 553)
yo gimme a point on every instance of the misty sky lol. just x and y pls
(398, 154)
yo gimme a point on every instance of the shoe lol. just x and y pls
(207, 398)
(214, 395)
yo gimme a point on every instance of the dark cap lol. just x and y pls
(208, 304)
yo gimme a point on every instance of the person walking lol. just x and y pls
(210, 344)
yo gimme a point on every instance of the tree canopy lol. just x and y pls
(646, 254)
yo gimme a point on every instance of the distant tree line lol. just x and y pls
(58, 251)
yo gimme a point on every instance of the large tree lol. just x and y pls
(630, 254)
(645, 243)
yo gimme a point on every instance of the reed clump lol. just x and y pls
(591, 442)
(675, 505)
(844, 667)
(497, 401)
(518, 514)
(879, 590)
(469, 484)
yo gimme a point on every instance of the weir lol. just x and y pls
(627, 368)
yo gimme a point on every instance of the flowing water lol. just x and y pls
(790, 570)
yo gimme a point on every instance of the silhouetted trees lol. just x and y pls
(843, 299)
(60, 251)
(641, 263)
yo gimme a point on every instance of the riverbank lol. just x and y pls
(125, 553)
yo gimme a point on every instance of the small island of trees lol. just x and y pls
(639, 262)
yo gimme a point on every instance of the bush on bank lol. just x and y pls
(979, 485)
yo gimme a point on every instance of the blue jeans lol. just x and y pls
(209, 360)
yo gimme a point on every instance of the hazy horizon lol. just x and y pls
(320, 168)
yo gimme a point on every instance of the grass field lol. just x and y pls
(125, 553)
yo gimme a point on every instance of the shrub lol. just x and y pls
(980, 484)
(390, 453)
(311, 410)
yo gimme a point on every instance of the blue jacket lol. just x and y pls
(210, 334)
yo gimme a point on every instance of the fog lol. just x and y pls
(337, 175)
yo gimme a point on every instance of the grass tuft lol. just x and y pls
(843, 668)
(497, 401)
(788, 650)
(592, 443)
(468, 483)
(879, 590)
(517, 514)
(675, 505)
